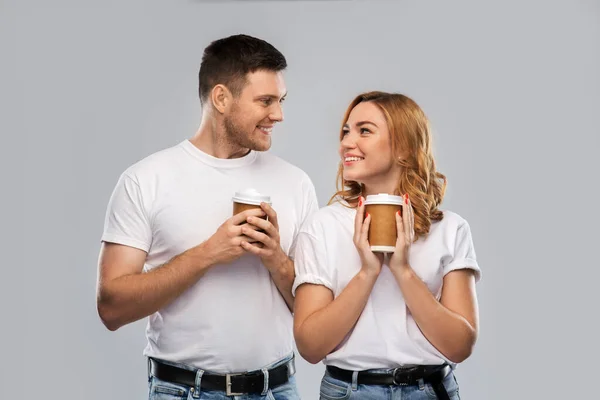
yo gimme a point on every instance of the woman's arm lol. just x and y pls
(320, 322)
(451, 324)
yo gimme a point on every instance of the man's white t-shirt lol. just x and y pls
(234, 318)
(385, 335)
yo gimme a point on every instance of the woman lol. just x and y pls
(390, 327)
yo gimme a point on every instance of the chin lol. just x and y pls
(261, 146)
(352, 177)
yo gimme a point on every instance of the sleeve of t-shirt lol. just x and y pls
(126, 221)
(464, 253)
(310, 262)
(310, 205)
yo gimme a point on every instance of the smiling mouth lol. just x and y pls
(265, 129)
(352, 160)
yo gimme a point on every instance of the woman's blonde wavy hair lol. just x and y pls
(411, 148)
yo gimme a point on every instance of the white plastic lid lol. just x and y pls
(383, 198)
(251, 196)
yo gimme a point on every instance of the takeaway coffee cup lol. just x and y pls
(248, 199)
(382, 231)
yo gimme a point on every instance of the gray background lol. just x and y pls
(513, 93)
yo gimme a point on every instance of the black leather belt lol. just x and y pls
(231, 384)
(433, 374)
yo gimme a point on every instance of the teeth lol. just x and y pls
(265, 129)
(352, 159)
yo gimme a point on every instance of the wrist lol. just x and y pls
(278, 261)
(368, 274)
(202, 256)
(403, 272)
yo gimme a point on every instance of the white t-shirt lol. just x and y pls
(385, 335)
(234, 318)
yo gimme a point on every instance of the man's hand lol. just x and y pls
(266, 244)
(225, 245)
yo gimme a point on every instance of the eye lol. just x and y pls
(266, 101)
(364, 130)
(345, 132)
(282, 100)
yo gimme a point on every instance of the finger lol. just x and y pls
(239, 218)
(260, 223)
(411, 219)
(271, 214)
(255, 248)
(266, 226)
(238, 230)
(358, 220)
(399, 228)
(364, 233)
(407, 225)
(249, 226)
(258, 236)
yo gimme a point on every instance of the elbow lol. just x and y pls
(311, 356)
(107, 317)
(464, 348)
(308, 351)
(106, 312)
(460, 355)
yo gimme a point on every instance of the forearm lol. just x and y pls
(283, 277)
(323, 330)
(446, 330)
(132, 297)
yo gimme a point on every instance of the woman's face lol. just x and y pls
(366, 149)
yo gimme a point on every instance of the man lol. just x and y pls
(216, 287)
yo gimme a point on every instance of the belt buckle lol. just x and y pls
(394, 375)
(228, 391)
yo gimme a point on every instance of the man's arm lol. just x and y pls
(268, 248)
(126, 294)
(283, 276)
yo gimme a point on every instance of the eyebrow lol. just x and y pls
(361, 123)
(271, 96)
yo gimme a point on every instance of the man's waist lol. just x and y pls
(222, 363)
(253, 381)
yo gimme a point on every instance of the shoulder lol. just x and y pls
(328, 217)
(452, 218)
(282, 166)
(450, 224)
(154, 164)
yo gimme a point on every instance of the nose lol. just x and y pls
(348, 141)
(277, 113)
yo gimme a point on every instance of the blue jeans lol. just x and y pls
(335, 389)
(162, 390)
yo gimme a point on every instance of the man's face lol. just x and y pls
(249, 121)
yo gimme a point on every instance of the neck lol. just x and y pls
(211, 138)
(386, 184)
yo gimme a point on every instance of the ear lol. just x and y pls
(220, 97)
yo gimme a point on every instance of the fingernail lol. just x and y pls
(360, 201)
(406, 198)
(398, 212)
(366, 215)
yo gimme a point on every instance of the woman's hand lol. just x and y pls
(371, 262)
(406, 233)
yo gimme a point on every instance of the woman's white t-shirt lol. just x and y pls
(385, 335)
